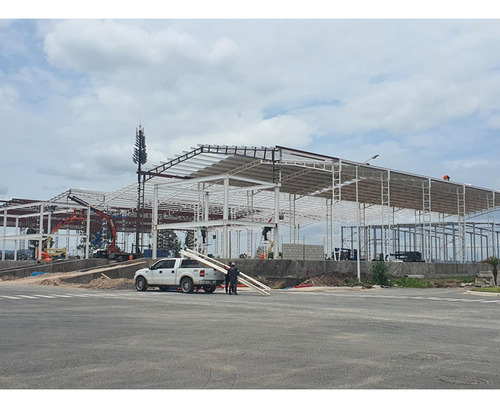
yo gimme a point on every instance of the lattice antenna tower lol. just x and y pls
(139, 157)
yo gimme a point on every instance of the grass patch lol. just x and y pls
(448, 282)
(411, 282)
(464, 279)
(452, 281)
(495, 289)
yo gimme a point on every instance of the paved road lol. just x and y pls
(67, 338)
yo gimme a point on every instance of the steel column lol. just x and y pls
(87, 234)
(154, 223)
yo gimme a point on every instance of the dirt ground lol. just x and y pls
(331, 279)
(103, 282)
(56, 279)
(347, 280)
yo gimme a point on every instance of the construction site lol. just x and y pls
(276, 211)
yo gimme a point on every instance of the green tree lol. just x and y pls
(493, 261)
(168, 240)
(189, 240)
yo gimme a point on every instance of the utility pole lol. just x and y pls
(140, 157)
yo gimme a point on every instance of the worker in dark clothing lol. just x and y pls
(227, 281)
(233, 273)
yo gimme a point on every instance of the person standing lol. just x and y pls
(227, 280)
(233, 273)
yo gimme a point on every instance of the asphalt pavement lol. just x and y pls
(70, 338)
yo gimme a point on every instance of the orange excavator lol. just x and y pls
(46, 255)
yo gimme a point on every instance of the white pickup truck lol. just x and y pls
(173, 272)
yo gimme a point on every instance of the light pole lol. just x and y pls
(358, 221)
(371, 158)
(358, 261)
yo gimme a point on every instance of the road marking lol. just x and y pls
(66, 296)
(62, 296)
(45, 296)
(404, 297)
(81, 295)
(439, 299)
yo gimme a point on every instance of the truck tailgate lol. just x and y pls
(211, 273)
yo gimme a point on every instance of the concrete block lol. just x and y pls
(303, 252)
(485, 274)
(484, 278)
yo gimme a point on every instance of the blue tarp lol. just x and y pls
(36, 273)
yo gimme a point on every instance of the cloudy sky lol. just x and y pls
(423, 94)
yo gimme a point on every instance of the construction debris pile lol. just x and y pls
(107, 283)
(330, 279)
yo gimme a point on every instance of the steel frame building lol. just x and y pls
(233, 192)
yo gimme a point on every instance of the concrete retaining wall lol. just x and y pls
(13, 264)
(281, 268)
(266, 268)
(53, 267)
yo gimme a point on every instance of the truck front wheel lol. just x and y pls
(187, 285)
(209, 288)
(141, 284)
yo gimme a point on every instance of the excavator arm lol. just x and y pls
(108, 219)
(75, 217)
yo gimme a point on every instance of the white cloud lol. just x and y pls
(8, 96)
(466, 164)
(3, 190)
(412, 91)
(107, 47)
(281, 130)
(494, 121)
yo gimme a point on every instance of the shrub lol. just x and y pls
(380, 273)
